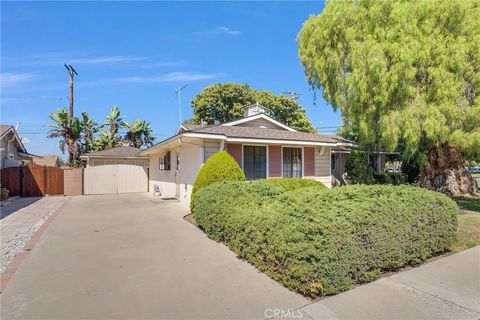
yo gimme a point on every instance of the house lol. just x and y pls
(262, 146)
(12, 151)
(47, 160)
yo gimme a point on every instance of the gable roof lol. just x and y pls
(6, 129)
(118, 152)
(46, 160)
(255, 117)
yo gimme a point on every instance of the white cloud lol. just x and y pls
(228, 31)
(218, 31)
(15, 79)
(162, 64)
(104, 60)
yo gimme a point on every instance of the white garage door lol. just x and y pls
(115, 178)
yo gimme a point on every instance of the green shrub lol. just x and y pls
(320, 241)
(219, 167)
(295, 183)
(396, 178)
(357, 168)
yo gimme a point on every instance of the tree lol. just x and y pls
(139, 134)
(114, 121)
(69, 130)
(403, 71)
(223, 102)
(89, 128)
(106, 140)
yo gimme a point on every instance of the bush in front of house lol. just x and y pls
(357, 168)
(320, 241)
(395, 178)
(295, 183)
(219, 167)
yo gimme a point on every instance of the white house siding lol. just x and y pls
(323, 165)
(209, 148)
(339, 170)
(5, 152)
(191, 157)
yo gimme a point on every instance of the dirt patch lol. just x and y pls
(189, 217)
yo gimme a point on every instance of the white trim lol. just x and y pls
(288, 142)
(258, 116)
(303, 160)
(267, 167)
(179, 128)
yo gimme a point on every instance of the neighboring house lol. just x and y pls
(118, 155)
(12, 150)
(262, 146)
(47, 160)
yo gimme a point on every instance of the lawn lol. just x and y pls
(468, 203)
(476, 175)
(468, 233)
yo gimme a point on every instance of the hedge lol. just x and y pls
(219, 167)
(295, 183)
(320, 241)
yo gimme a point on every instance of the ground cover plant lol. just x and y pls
(320, 241)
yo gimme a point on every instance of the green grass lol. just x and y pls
(476, 175)
(468, 203)
(468, 233)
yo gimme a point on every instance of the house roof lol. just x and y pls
(46, 160)
(118, 152)
(5, 129)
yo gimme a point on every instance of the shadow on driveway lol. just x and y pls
(16, 205)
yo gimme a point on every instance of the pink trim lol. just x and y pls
(274, 161)
(235, 150)
(309, 161)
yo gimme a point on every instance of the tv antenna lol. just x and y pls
(292, 94)
(178, 92)
(71, 74)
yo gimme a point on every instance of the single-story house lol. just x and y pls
(12, 151)
(262, 146)
(47, 160)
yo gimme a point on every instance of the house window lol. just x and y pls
(332, 165)
(255, 162)
(164, 163)
(292, 162)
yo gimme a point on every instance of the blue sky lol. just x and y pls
(134, 55)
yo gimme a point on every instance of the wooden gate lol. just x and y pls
(33, 180)
(115, 178)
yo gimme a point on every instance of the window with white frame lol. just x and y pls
(292, 162)
(165, 162)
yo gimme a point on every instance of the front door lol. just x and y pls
(177, 174)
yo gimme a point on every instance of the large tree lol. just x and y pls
(139, 134)
(69, 130)
(406, 71)
(224, 102)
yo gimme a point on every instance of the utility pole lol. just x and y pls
(178, 91)
(71, 74)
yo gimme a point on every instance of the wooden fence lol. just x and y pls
(33, 180)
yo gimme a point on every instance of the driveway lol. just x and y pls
(122, 256)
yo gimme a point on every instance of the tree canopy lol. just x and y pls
(399, 71)
(223, 102)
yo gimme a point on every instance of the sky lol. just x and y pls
(134, 55)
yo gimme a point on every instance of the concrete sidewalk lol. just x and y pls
(448, 288)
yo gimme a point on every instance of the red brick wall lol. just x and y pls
(274, 161)
(235, 150)
(309, 161)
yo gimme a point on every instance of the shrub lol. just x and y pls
(295, 183)
(219, 167)
(412, 166)
(357, 168)
(396, 178)
(320, 241)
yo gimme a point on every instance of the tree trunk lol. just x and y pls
(445, 172)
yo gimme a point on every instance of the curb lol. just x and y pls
(6, 276)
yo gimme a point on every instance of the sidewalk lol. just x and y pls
(20, 220)
(448, 288)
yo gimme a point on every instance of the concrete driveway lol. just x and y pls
(122, 256)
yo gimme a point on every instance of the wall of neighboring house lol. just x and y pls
(338, 169)
(8, 152)
(323, 172)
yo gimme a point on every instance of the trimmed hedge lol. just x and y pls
(396, 178)
(219, 167)
(320, 241)
(295, 183)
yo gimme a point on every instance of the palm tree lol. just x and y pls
(106, 140)
(139, 133)
(70, 130)
(114, 121)
(89, 128)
